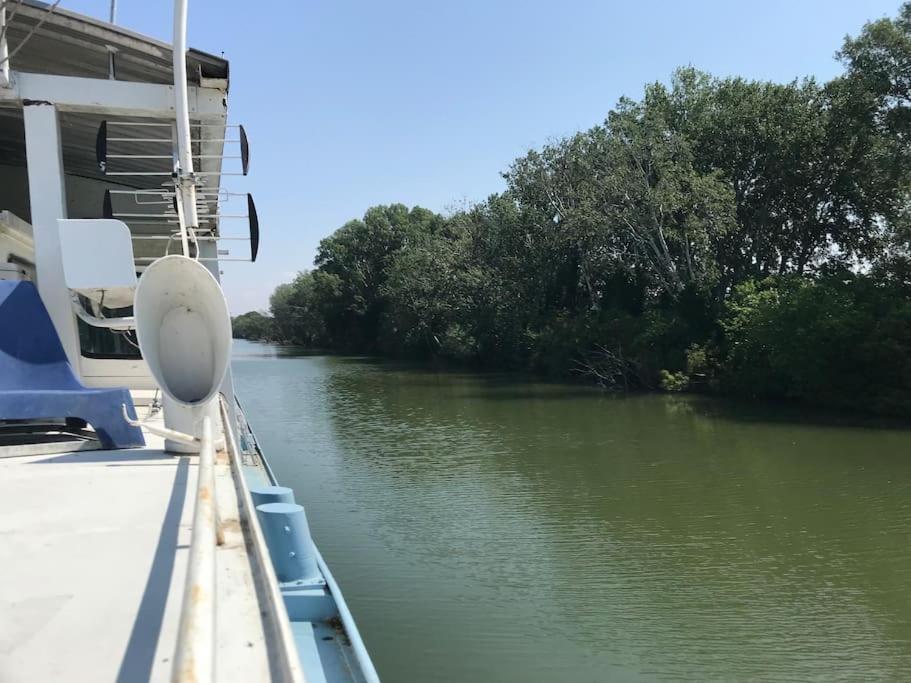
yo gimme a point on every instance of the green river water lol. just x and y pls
(491, 529)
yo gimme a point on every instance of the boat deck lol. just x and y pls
(93, 565)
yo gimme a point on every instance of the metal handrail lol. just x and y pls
(4, 49)
(289, 667)
(194, 659)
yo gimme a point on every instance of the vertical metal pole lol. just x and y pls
(186, 181)
(47, 197)
(4, 48)
(111, 69)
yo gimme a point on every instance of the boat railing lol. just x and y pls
(194, 659)
(287, 666)
(195, 653)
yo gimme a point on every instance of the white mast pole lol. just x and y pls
(185, 180)
(4, 50)
(113, 18)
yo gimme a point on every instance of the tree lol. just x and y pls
(353, 263)
(253, 325)
(296, 311)
(875, 101)
(843, 340)
(627, 197)
(802, 176)
(713, 233)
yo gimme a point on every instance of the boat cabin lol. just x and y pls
(86, 131)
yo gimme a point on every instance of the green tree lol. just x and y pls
(253, 325)
(716, 232)
(626, 198)
(352, 263)
(843, 340)
(297, 312)
(875, 101)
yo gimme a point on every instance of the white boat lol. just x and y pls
(143, 536)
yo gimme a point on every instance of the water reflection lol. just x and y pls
(502, 530)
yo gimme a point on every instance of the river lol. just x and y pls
(486, 528)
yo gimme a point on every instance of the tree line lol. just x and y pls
(716, 234)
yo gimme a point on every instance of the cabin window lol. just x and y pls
(99, 342)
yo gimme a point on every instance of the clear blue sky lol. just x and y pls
(351, 104)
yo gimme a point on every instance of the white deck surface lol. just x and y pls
(93, 552)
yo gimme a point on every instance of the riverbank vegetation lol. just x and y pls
(717, 234)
